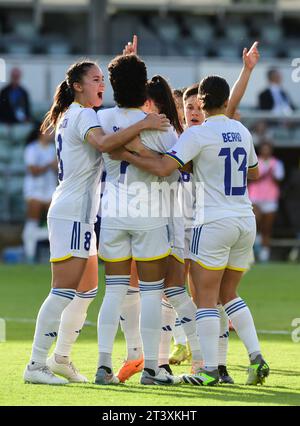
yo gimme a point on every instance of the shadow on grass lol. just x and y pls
(274, 371)
(235, 394)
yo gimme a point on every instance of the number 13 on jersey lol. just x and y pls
(234, 158)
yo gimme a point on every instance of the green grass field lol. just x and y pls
(271, 291)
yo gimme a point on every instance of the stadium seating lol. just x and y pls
(12, 169)
(164, 33)
(4, 152)
(163, 24)
(4, 131)
(200, 29)
(20, 132)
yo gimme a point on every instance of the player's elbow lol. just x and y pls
(253, 174)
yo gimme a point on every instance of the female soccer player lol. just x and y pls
(79, 142)
(160, 99)
(126, 235)
(223, 157)
(194, 116)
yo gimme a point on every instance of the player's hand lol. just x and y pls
(131, 47)
(118, 154)
(251, 57)
(156, 122)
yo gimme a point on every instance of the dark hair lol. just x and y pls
(128, 77)
(160, 92)
(213, 92)
(191, 91)
(65, 93)
(178, 93)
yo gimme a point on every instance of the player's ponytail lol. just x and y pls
(63, 98)
(160, 92)
(213, 92)
(65, 93)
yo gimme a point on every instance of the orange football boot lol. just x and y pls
(129, 368)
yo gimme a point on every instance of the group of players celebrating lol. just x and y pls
(121, 155)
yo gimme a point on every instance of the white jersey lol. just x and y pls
(187, 194)
(78, 192)
(222, 151)
(130, 201)
(42, 186)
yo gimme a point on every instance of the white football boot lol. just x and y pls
(41, 374)
(163, 377)
(67, 370)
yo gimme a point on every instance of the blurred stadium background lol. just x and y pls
(183, 40)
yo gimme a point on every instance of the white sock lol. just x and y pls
(186, 311)
(178, 333)
(47, 323)
(109, 315)
(224, 335)
(243, 323)
(72, 321)
(208, 329)
(130, 323)
(168, 318)
(29, 238)
(151, 296)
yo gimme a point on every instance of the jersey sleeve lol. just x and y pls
(87, 121)
(186, 148)
(252, 162)
(159, 141)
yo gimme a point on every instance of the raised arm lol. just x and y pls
(108, 143)
(250, 60)
(131, 47)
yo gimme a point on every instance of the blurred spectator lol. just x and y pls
(274, 98)
(264, 194)
(39, 184)
(14, 100)
(292, 205)
(261, 132)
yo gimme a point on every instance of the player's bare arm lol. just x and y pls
(250, 59)
(135, 146)
(253, 173)
(108, 143)
(162, 166)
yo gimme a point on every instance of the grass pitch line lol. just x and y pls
(94, 324)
